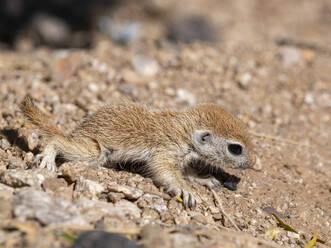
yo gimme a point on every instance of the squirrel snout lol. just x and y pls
(251, 162)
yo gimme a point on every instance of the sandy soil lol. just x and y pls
(270, 67)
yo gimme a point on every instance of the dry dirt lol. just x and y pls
(271, 68)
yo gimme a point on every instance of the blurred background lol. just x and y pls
(25, 24)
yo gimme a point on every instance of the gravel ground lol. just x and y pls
(268, 62)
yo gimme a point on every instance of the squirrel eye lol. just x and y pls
(235, 149)
(205, 137)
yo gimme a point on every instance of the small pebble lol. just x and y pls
(33, 140)
(93, 87)
(4, 144)
(186, 96)
(121, 33)
(29, 157)
(291, 56)
(144, 65)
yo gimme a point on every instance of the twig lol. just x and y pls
(223, 211)
(261, 135)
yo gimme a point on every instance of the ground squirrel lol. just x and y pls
(167, 142)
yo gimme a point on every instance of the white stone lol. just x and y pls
(186, 96)
(291, 56)
(144, 65)
(93, 87)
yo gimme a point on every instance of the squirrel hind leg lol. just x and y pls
(47, 158)
(71, 149)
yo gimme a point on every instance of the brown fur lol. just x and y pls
(132, 133)
(38, 118)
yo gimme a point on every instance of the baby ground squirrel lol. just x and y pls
(167, 142)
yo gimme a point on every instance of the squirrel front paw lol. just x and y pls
(190, 199)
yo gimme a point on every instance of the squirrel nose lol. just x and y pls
(252, 160)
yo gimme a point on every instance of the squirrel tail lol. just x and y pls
(84, 148)
(39, 119)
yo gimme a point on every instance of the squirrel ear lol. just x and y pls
(202, 136)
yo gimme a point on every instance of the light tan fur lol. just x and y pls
(165, 141)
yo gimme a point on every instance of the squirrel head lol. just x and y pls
(221, 139)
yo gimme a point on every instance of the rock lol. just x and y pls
(5, 208)
(20, 177)
(160, 208)
(142, 203)
(11, 237)
(31, 137)
(258, 164)
(291, 56)
(144, 65)
(186, 96)
(324, 100)
(245, 80)
(202, 219)
(3, 237)
(218, 216)
(132, 77)
(28, 157)
(125, 207)
(150, 214)
(88, 188)
(182, 240)
(214, 209)
(101, 239)
(6, 195)
(94, 210)
(63, 68)
(53, 184)
(34, 204)
(309, 55)
(181, 220)
(24, 44)
(120, 33)
(293, 235)
(6, 192)
(93, 86)
(71, 171)
(16, 163)
(154, 202)
(4, 144)
(33, 140)
(126, 89)
(175, 205)
(58, 187)
(129, 192)
(309, 99)
(167, 218)
(115, 197)
(153, 235)
(170, 91)
(51, 30)
(190, 29)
